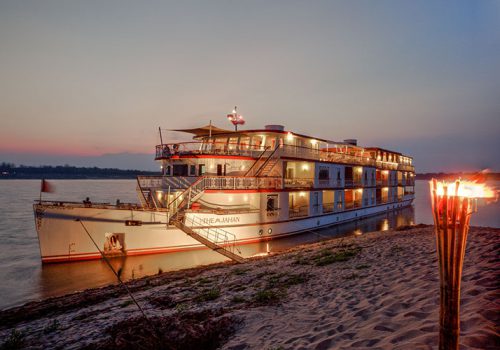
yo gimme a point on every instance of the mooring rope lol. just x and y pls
(116, 274)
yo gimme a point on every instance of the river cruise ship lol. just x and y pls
(227, 188)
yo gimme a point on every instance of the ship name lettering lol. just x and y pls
(223, 220)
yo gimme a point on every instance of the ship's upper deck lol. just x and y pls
(251, 143)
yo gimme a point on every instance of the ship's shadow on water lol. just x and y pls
(57, 279)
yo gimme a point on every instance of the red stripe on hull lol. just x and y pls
(145, 251)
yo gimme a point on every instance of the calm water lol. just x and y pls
(24, 278)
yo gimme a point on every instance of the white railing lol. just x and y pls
(168, 150)
(214, 234)
(164, 182)
(297, 182)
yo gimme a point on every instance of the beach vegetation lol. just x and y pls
(16, 340)
(204, 280)
(238, 288)
(284, 280)
(207, 329)
(327, 256)
(269, 296)
(362, 266)
(181, 307)
(163, 301)
(127, 303)
(51, 326)
(238, 299)
(239, 271)
(208, 295)
(301, 260)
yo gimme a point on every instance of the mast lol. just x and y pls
(161, 139)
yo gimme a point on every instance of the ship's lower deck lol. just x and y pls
(71, 233)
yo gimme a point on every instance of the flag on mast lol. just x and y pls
(46, 187)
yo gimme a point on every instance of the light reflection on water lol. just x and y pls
(25, 278)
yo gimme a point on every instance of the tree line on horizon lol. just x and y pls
(12, 171)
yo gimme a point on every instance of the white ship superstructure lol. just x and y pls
(227, 188)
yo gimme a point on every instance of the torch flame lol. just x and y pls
(466, 189)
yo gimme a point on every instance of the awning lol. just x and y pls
(204, 130)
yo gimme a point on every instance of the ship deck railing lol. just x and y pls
(167, 151)
(95, 205)
(210, 182)
(223, 211)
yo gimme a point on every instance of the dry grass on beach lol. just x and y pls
(377, 291)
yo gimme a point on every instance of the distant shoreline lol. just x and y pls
(11, 172)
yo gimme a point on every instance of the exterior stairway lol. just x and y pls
(218, 240)
(265, 163)
(214, 238)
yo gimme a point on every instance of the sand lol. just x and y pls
(378, 290)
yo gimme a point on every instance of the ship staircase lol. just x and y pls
(146, 184)
(215, 238)
(266, 162)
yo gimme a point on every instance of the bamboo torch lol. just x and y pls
(452, 206)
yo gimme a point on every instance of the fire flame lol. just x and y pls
(467, 189)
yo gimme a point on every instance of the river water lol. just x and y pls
(24, 278)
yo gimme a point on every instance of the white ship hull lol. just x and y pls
(63, 238)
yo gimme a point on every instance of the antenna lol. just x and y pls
(235, 118)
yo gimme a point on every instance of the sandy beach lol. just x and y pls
(378, 290)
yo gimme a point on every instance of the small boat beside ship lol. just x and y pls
(227, 188)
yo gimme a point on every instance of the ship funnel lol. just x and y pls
(275, 127)
(353, 142)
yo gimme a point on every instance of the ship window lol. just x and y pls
(180, 170)
(192, 170)
(324, 173)
(233, 142)
(257, 142)
(201, 169)
(244, 142)
(220, 144)
(167, 170)
(272, 202)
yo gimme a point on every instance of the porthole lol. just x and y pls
(318, 223)
(261, 231)
(269, 230)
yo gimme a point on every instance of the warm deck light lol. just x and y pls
(452, 206)
(289, 136)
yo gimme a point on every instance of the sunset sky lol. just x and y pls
(82, 79)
